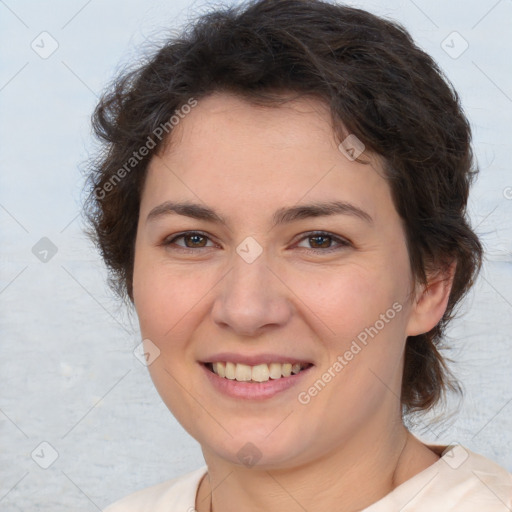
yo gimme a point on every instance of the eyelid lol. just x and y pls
(341, 241)
(176, 236)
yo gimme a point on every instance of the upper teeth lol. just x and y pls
(258, 373)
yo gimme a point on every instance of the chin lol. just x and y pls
(250, 447)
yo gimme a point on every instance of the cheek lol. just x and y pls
(167, 302)
(360, 315)
(166, 297)
(347, 299)
(173, 304)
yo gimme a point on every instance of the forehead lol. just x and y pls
(303, 122)
(227, 147)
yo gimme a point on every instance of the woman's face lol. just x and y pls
(243, 276)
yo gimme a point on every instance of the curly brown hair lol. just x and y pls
(379, 86)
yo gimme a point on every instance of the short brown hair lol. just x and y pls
(379, 86)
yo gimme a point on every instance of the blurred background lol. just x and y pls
(80, 422)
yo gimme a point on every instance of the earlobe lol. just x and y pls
(430, 302)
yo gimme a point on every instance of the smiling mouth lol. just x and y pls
(258, 373)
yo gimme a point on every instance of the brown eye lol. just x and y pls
(324, 241)
(320, 241)
(191, 240)
(194, 241)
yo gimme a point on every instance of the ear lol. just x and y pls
(430, 302)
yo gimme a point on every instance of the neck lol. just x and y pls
(349, 478)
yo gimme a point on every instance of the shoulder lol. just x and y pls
(473, 482)
(493, 478)
(460, 481)
(177, 494)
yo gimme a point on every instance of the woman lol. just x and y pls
(283, 197)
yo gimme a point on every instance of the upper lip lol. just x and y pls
(253, 360)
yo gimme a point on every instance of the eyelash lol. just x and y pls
(343, 243)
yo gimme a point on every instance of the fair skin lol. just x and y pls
(304, 297)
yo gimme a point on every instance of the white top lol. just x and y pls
(460, 481)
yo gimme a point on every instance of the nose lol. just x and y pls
(251, 299)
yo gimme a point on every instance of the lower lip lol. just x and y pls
(253, 390)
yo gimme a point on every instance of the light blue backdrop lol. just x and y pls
(68, 374)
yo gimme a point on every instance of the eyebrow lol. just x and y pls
(281, 216)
